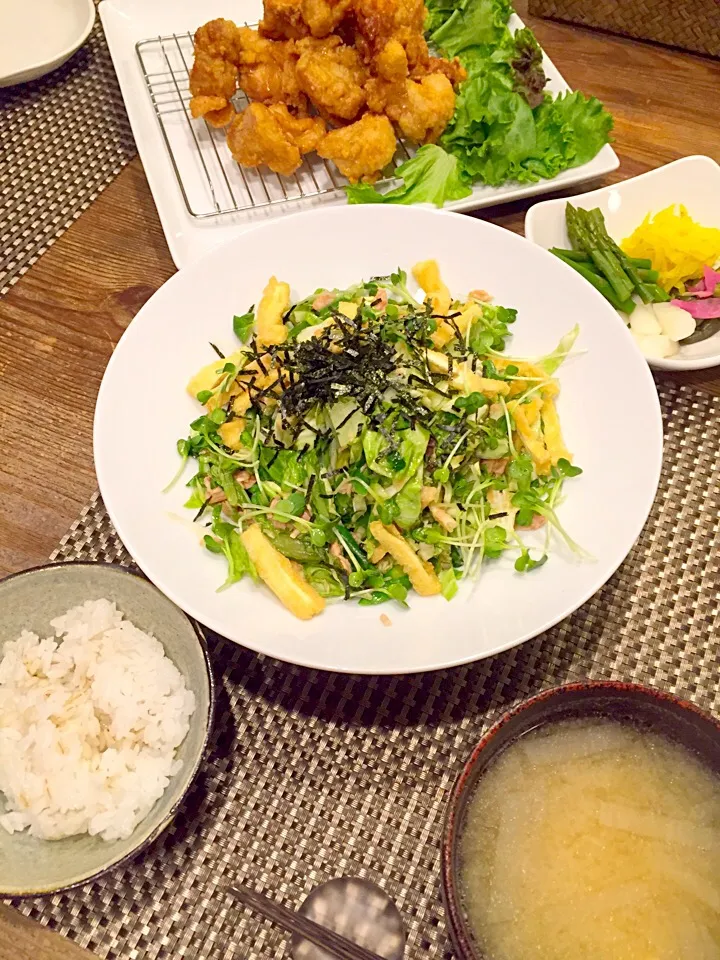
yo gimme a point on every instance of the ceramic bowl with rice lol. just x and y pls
(106, 703)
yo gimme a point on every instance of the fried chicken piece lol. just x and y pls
(200, 105)
(379, 21)
(222, 117)
(272, 136)
(362, 149)
(218, 39)
(213, 83)
(305, 132)
(283, 20)
(324, 16)
(295, 19)
(391, 63)
(268, 70)
(452, 69)
(332, 76)
(216, 110)
(421, 108)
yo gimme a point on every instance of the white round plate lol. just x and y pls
(38, 36)
(691, 181)
(608, 406)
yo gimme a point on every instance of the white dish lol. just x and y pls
(692, 181)
(128, 22)
(143, 409)
(38, 36)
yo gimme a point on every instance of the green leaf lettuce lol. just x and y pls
(431, 176)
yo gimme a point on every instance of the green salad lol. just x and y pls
(361, 444)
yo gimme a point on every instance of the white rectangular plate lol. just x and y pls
(128, 22)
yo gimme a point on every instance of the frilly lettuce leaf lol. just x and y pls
(472, 23)
(504, 126)
(431, 176)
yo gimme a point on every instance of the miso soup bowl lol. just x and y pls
(659, 712)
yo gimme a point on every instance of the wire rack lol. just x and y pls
(212, 184)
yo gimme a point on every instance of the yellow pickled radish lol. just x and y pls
(677, 245)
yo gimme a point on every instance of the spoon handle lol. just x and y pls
(294, 922)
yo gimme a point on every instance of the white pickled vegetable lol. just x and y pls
(643, 321)
(675, 322)
(656, 346)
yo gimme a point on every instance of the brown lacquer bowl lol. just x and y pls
(660, 712)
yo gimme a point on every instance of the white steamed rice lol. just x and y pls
(89, 725)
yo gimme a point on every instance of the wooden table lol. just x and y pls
(60, 323)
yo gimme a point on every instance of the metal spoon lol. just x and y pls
(347, 918)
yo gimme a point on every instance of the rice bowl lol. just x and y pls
(89, 725)
(118, 803)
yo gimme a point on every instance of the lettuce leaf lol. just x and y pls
(472, 23)
(438, 12)
(585, 118)
(530, 77)
(504, 126)
(431, 176)
(496, 136)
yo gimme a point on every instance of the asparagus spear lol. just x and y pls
(651, 292)
(598, 281)
(642, 264)
(596, 226)
(584, 238)
(575, 255)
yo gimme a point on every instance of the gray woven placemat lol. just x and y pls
(311, 776)
(63, 139)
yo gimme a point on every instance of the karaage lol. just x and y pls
(452, 69)
(283, 20)
(218, 39)
(420, 108)
(332, 76)
(267, 70)
(295, 19)
(216, 111)
(324, 16)
(361, 150)
(391, 63)
(378, 22)
(362, 65)
(213, 83)
(271, 135)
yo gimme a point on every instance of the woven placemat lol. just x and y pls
(63, 139)
(311, 776)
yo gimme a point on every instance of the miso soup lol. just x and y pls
(594, 839)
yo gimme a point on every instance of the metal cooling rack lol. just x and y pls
(211, 182)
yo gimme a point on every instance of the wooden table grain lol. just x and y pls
(61, 321)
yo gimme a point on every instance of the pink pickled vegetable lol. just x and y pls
(706, 286)
(700, 309)
(711, 278)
